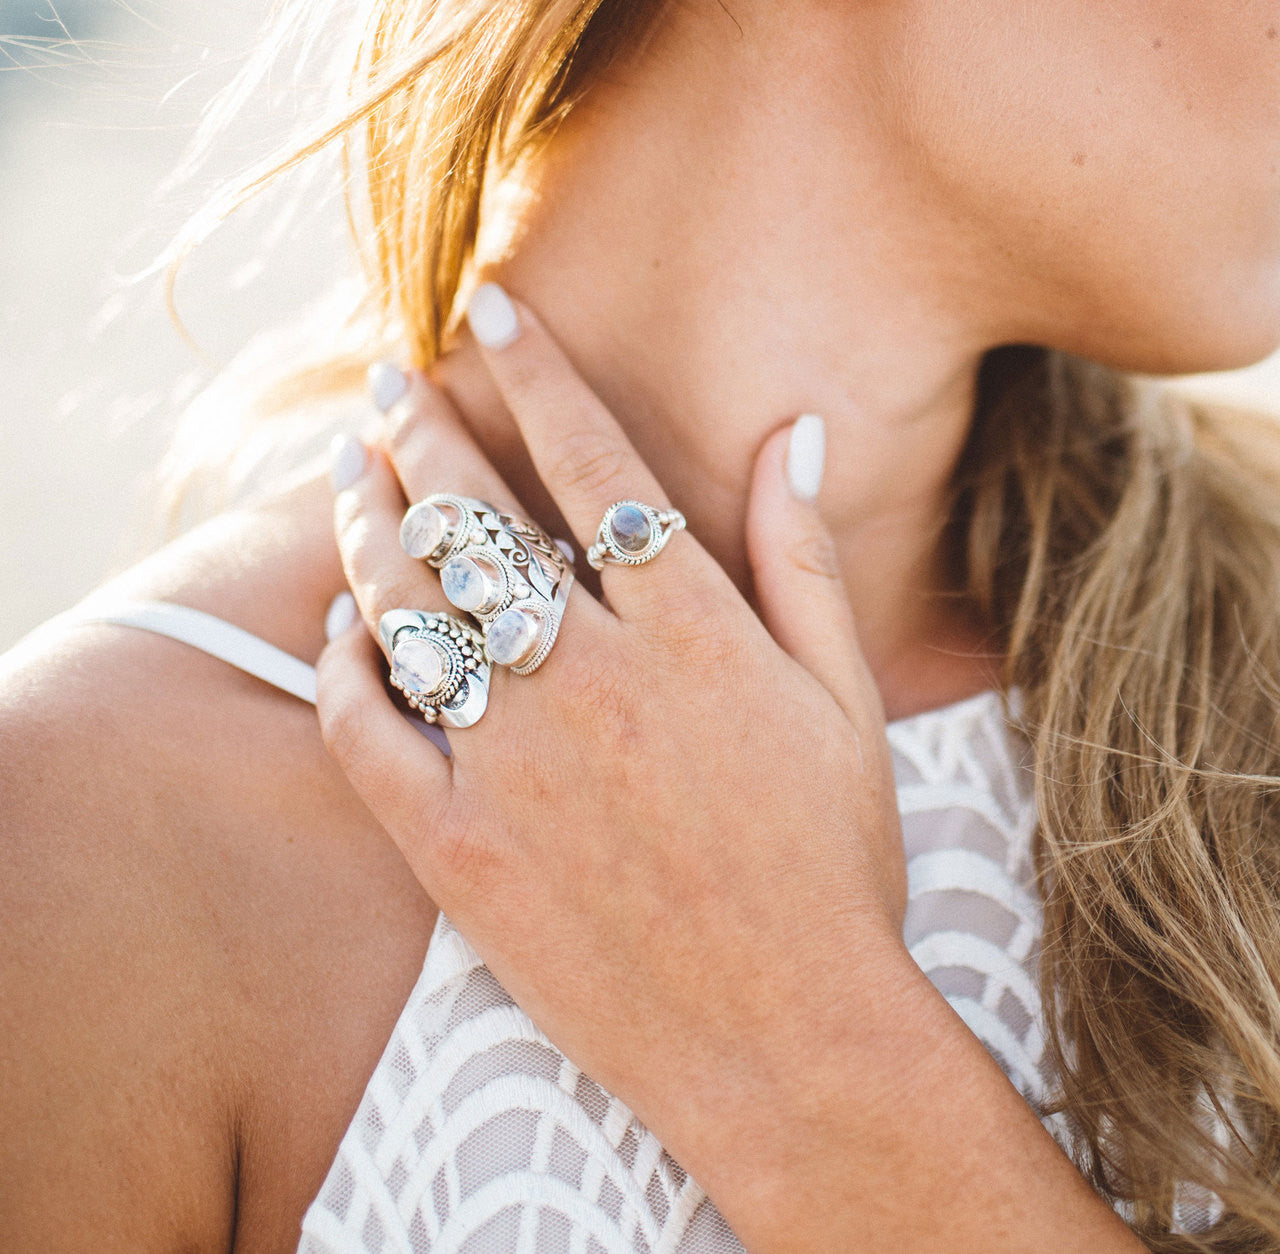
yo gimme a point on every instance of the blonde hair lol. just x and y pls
(1126, 546)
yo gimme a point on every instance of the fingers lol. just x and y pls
(801, 594)
(581, 453)
(405, 782)
(430, 448)
(380, 574)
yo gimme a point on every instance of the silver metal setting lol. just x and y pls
(534, 574)
(458, 695)
(459, 519)
(609, 546)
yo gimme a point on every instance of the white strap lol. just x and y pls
(231, 644)
(215, 636)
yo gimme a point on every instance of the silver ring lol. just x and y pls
(505, 571)
(439, 663)
(442, 525)
(632, 533)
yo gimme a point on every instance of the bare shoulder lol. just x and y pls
(207, 939)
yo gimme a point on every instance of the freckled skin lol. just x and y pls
(1164, 255)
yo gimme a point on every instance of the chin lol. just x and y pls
(1208, 336)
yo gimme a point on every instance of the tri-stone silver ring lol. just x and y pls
(505, 571)
(439, 663)
(632, 533)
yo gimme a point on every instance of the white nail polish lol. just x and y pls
(493, 317)
(387, 384)
(806, 453)
(347, 460)
(342, 613)
(567, 549)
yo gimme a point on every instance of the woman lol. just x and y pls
(675, 842)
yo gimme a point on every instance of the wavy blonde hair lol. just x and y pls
(1126, 546)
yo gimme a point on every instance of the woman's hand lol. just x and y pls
(677, 842)
(686, 816)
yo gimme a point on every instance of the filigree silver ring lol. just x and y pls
(632, 533)
(439, 663)
(505, 571)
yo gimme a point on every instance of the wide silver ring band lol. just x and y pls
(503, 570)
(632, 533)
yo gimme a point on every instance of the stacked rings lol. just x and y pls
(439, 663)
(504, 571)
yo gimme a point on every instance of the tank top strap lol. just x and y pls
(215, 636)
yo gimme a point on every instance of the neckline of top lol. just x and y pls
(974, 704)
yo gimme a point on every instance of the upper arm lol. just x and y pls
(117, 1135)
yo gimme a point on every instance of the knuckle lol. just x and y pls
(408, 433)
(358, 542)
(589, 464)
(462, 845)
(342, 728)
(384, 584)
(600, 693)
(815, 554)
(395, 594)
(704, 647)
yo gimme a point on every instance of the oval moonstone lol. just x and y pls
(422, 530)
(630, 529)
(468, 585)
(513, 636)
(418, 665)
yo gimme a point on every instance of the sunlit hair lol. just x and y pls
(1125, 545)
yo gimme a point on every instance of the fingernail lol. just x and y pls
(387, 384)
(567, 549)
(347, 460)
(492, 316)
(806, 452)
(342, 613)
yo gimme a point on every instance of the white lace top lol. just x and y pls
(475, 1135)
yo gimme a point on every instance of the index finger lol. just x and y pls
(580, 452)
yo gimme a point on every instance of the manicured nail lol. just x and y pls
(806, 452)
(347, 460)
(342, 613)
(566, 548)
(493, 317)
(387, 384)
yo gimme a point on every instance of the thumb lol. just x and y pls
(799, 588)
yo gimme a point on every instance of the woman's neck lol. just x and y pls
(725, 246)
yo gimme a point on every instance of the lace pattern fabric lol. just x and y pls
(477, 1136)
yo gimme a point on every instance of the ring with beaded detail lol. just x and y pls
(439, 663)
(632, 533)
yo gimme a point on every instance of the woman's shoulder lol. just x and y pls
(207, 938)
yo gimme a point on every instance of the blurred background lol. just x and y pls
(98, 101)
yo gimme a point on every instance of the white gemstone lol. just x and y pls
(469, 585)
(422, 530)
(418, 664)
(513, 636)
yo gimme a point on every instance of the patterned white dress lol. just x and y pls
(477, 1136)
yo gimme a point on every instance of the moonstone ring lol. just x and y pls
(632, 533)
(439, 663)
(505, 571)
